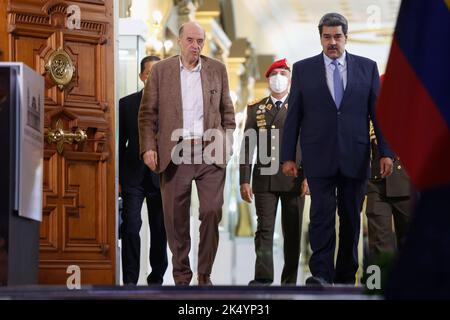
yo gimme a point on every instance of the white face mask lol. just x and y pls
(278, 83)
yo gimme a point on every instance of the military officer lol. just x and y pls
(265, 120)
(386, 199)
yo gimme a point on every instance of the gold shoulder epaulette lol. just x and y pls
(254, 102)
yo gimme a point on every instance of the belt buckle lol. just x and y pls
(192, 142)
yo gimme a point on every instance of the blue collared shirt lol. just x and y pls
(329, 67)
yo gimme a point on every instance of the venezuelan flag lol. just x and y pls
(414, 114)
(414, 105)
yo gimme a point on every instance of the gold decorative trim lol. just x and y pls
(59, 136)
(60, 68)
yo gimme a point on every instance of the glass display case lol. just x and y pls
(132, 37)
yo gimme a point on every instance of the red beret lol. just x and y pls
(277, 64)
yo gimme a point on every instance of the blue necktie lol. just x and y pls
(338, 84)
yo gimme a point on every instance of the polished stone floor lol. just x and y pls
(186, 293)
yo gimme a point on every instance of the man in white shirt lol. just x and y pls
(188, 93)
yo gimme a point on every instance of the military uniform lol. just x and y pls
(387, 198)
(265, 118)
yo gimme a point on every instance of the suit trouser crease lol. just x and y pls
(291, 224)
(266, 204)
(327, 193)
(380, 211)
(133, 197)
(176, 182)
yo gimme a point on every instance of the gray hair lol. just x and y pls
(333, 20)
(180, 31)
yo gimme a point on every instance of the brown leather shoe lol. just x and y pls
(182, 282)
(204, 280)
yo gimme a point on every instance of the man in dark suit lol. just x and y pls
(332, 99)
(138, 182)
(265, 120)
(386, 199)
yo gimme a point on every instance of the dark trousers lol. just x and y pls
(380, 211)
(327, 193)
(291, 223)
(176, 187)
(133, 197)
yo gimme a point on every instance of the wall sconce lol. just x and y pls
(156, 43)
(157, 18)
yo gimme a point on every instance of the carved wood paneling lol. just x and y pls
(84, 92)
(101, 2)
(26, 18)
(49, 225)
(4, 45)
(78, 224)
(26, 49)
(85, 217)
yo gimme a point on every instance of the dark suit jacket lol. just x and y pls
(263, 117)
(132, 170)
(332, 140)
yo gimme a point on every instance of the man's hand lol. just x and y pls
(150, 158)
(290, 168)
(386, 167)
(305, 188)
(246, 192)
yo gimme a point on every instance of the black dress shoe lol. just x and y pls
(316, 281)
(260, 282)
(154, 280)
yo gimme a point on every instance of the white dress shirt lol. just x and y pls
(275, 99)
(329, 67)
(192, 99)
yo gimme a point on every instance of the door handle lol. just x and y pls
(59, 136)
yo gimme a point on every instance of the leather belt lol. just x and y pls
(196, 141)
(193, 142)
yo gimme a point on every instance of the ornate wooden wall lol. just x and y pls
(78, 226)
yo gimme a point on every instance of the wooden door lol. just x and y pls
(79, 211)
